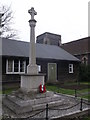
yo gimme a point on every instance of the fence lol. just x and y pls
(47, 109)
(80, 94)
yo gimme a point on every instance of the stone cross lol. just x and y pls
(32, 80)
(32, 12)
(32, 67)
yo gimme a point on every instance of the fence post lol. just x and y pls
(81, 104)
(46, 111)
(75, 92)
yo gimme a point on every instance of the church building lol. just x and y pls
(57, 64)
(79, 48)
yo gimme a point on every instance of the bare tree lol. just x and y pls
(6, 17)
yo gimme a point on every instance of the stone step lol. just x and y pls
(56, 103)
(50, 104)
(15, 108)
(20, 102)
(24, 103)
(19, 107)
(56, 98)
(46, 100)
(27, 96)
(44, 95)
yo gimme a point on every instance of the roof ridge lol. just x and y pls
(77, 40)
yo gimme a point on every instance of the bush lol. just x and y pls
(84, 73)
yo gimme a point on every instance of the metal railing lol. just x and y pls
(60, 109)
(48, 108)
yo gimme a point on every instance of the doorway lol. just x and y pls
(52, 72)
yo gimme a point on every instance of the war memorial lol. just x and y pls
(32, 100)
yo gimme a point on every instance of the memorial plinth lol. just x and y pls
(31, 81)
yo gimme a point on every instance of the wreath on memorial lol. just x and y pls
(42, 89)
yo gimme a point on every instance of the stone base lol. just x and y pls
(32, 69)
(21, 105)
(31, 82)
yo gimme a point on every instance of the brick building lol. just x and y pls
(80, 49)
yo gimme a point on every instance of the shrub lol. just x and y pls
(84, 73)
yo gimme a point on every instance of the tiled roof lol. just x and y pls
(21, 49)
(77, 47)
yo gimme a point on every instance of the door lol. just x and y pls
(52, 72)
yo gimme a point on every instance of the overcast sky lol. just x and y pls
(69, 18)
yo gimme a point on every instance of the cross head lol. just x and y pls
(32, 12)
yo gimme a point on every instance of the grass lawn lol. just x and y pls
(82, 93)
(76, 83)
(8, 91)
(86, 118)
(60, 90)
(71, 92)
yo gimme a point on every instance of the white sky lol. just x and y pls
(69, 18)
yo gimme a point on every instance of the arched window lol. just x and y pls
(84, 60)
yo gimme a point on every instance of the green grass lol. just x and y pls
(68, 91)
(85, 90)
(76, 83)
(86, 97)
(59, 90)
(8, 91)
(86, 118)
(85, 83)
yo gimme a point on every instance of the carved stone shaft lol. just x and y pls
(32, 67)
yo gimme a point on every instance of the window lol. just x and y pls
(84, 60)
(15, 66)
(10, 65)
(70, 68)
(22, 66)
